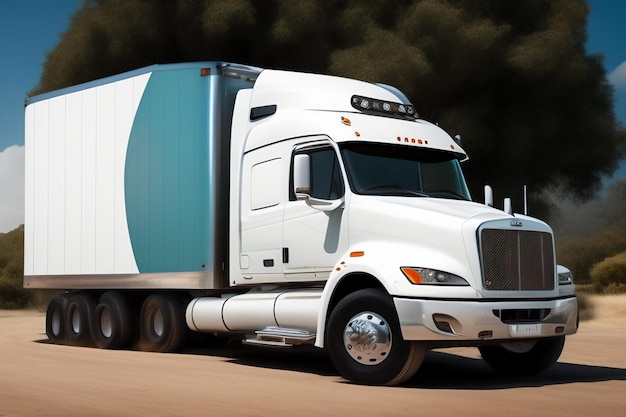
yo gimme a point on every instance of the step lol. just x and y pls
(281, 337)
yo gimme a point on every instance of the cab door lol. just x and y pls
(315, 227)
(265, 177)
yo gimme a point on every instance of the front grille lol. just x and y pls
(514, 260)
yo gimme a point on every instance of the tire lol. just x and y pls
(80, 310)
(355, 325)
(524, 357)
(162, 323)
(55, 319)
(112, 326)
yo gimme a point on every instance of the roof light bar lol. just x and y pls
(371, 105)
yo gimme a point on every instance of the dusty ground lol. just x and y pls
(38, 378)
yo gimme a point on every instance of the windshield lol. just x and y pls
(379, 169)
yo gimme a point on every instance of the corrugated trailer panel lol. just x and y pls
(74, 185)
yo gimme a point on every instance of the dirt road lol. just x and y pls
(42, 379)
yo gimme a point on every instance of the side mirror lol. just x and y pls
(302, 185)
(302, 175)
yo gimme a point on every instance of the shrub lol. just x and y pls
(12, 295)
(585, 307)
(582, 253)
(610, 274)
(614, 289)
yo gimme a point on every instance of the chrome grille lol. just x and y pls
(515, 260)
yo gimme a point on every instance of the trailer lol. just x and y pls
(283, 208)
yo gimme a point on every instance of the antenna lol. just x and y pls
(525, 202)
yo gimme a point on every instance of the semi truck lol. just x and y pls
(282, 209)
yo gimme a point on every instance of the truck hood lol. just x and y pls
(424, 232)
(421, 215)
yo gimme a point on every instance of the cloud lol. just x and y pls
(617, 77)
(11, 188)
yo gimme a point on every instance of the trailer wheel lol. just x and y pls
(162, 323)
(80, 310)
(524, 357)
(112, 322)
(365, 343)
(55, 319)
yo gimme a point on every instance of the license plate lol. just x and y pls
(524, 330)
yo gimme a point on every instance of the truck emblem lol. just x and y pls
(516, 223)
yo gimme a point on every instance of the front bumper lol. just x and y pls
(461, 322)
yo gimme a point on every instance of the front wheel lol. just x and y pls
(526, 357)
(365, 343)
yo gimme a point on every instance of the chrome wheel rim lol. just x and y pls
(56, 323)
(367, 338)
(105, 323)
(158, 324)
(76, 324)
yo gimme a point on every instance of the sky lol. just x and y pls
(31, 28)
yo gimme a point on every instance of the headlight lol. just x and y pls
(431, 276)
(565, 275)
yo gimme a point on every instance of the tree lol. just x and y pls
(12, 294)
(580, 254)
(570, 218)
(512, 78)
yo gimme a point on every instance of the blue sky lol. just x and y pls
(29, 29)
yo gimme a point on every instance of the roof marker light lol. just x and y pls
(381, 107)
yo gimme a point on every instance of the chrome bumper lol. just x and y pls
(467, 321)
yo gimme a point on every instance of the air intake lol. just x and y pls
(517, 260)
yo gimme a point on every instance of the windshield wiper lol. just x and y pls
(391, 189)
(446, 194)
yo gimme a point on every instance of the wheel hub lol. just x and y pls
(367, 338)
(56, 323)
(106, 326)
(158, 323)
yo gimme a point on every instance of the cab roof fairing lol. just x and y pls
(296, 90)
(328, 94)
